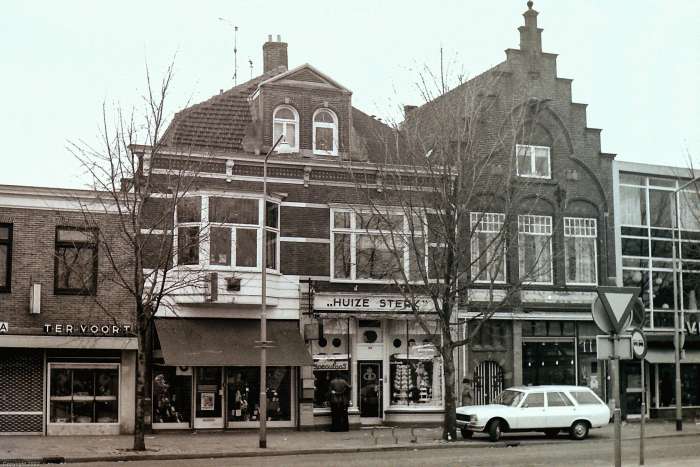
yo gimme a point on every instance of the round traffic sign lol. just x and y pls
(600, 316)
(639, 344)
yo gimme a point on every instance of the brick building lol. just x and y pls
(67, 355)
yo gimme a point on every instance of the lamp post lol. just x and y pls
(677, 323)
(264, 343)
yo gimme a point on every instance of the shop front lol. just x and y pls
(389, 360)
(207, 373)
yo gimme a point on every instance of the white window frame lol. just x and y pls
(354, 231)
(533, 163)
(205, 236)
(285, 122)
(333, 126)
(585, 227)
(487, 222)
(539, 229)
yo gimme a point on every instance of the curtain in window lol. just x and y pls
(580, 260)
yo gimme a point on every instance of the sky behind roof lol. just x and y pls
(635, 63)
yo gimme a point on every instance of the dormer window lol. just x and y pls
(285, 122)
(325, 132)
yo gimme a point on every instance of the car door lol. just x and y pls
(560, 410)
(531, 413)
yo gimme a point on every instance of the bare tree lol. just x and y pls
(141, 188)
(443, 212)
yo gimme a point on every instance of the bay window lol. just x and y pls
(535, 248)
(488, 250)
(580, 250)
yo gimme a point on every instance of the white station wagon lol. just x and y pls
(550, 409)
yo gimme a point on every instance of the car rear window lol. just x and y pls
(585, 398)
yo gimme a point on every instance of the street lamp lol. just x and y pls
(677, 324)
(264, 343)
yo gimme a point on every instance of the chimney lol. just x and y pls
(530, 34)
(274, 54)
(407, 109)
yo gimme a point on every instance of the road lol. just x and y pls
(670, 451)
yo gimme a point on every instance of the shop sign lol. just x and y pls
(331, 364)
(369, 303)
(87, 329)
(691, 327)
(4, 327)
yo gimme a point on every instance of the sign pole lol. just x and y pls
(644, 414)
(616, 403)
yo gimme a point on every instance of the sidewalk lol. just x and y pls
(190, 445)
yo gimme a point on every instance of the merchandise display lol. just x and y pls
(415, 381)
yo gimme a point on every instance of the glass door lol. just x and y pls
(209, 392)
(370, 391)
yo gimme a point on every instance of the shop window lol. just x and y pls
(325, 132)
(243, 386)
(533, 161)
(83, 394)
(285, 123)
(488, 249)
(535, 248)
(548, 363)
(5, 257)
(75, 266)
(580, 236)
(325, 371)
(172, 395)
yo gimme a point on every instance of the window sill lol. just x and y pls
(74, 292)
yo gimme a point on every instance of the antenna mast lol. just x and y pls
(235, 55)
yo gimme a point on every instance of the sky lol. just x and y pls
(635, 63)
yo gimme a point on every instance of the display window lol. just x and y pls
(549, 363)
(172, 395)
(243, 386)
(83, 393)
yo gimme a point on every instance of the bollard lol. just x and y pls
(393, 435)
(414, 437)
(374, 435)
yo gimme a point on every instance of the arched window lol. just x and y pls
(325, 132)
(285, 122)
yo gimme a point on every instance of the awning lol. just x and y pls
(229, 342)
(665, 355)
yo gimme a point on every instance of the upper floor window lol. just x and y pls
(325, 136)
(5, 257)
(533, 161)
(226, 231)
(580, 250)
(535, 248)
(488, 249)
(285, 122)
(75, 268)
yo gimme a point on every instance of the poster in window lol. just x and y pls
(206, 401)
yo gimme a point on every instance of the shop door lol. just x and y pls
(488, 382)
(370, 391)
(209, 392)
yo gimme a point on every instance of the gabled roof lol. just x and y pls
(298, 72)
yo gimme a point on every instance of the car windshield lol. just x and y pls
(509, 397)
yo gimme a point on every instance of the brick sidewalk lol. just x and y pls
(244, 443)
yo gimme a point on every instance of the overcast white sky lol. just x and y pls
(635, 63)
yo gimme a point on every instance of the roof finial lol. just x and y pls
(530, 4)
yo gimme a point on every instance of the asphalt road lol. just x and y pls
(671, 451)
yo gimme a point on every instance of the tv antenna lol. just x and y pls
(235, 48)
(250, 64)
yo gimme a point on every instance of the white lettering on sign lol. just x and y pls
(356, 302)
(87, 329)
(692, 327)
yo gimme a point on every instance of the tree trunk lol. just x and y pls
(141, 366)
(449, 425)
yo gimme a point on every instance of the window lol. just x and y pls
(532, 161)
(373, 246)
(558, 399)
(226, 231)
(534, 400)
(325, 132)
(172, 395)
(82, 393)
(243, 386)
(5, 257)
(585, 398)
(488, 247)
(285, 122)
(75, 267)
(535, 248)
(580, 250)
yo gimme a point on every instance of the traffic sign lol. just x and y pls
(639, 344)
(610, 347)
(618, 303)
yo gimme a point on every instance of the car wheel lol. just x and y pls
(579, 430)
(466, 434)
(552, 433)
(495, 430)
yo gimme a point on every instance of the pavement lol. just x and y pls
(244, 444)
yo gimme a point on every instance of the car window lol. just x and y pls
(558, 399)
(585, 398)
(509, 398)
(534, 399)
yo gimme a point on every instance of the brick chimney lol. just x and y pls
(274, 54)
(530, 34)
